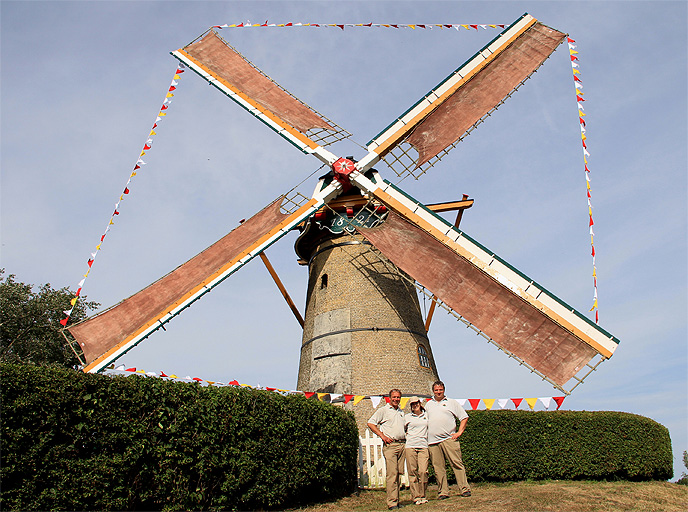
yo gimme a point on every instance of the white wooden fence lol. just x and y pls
(371, 463)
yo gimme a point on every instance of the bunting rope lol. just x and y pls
(139, 162)
(414, 26)
(581, 115)
(341, 398)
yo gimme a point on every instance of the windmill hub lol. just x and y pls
(342, 168)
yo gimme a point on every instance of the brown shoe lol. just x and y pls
(443, 497)
(465, 494)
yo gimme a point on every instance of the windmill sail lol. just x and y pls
(519, 315)
(108, 335)
(221, 65)
(450, 110)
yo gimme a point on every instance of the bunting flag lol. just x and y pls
(342, 26)
(335, 398)
(578, 85)
(137, 166)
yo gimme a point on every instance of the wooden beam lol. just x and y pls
(452, 205)
(282, 289)
(461, 208)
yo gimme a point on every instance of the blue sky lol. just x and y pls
(82, 83)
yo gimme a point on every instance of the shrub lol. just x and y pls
(74, 441)
(564, 445)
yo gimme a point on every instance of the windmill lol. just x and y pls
(363, 234)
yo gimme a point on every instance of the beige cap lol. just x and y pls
(415, 399)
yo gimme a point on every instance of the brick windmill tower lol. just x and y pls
(367, 242)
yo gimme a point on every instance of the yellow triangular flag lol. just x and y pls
(169, 95)
(466, 27)
(594, 305)
(176, 77)
(321, 395)
(413, 27)
(152, 133)
(403, 402)
(73, 301)
(531, 402)
(173, 376)
(489, 402)
(358, 398)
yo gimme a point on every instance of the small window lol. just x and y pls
(323, 281)
(423, 357)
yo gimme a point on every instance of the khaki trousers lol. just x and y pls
(417, 464)
(394, 460)
(451, 450)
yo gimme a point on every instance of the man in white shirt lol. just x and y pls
(443, 440)
(388, 423)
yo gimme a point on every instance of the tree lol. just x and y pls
(30, 329)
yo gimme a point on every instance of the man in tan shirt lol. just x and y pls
(388, 423)
(443, 440)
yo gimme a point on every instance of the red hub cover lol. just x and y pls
(342, 168)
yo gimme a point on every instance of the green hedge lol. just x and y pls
(72, 441)
(564, 445)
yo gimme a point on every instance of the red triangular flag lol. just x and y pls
(233, 383)
(347, 398)
(179, 70)
(130, 369)
(162, 374)
(474, 26)
(573, 57)
(517, 401)
(172, 88)
(500, 26)
(90, 262)
(309, 395)
(197, 379)
(387, 399)
(270, 389)
(341, 26)
(64, 321)
(579, 98)
(475, 402)
(570, 40)
(126, 190)
(78, 292)
(576, 79)
(164, 107)
(146, 147)
(137, 167)
(559, 400)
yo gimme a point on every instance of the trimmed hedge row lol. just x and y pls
(72, 441)
(500, 446)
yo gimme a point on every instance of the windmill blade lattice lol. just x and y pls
(427, 131)
(220, 64)
(108, 335)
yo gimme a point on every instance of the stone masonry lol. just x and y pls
(364, 333)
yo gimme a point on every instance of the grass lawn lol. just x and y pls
(560, 496)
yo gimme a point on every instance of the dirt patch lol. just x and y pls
(550, 496)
